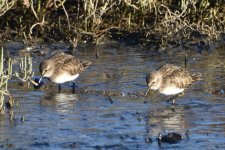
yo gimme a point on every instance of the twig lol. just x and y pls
(32, 8)
(38, 23)
(67, 16)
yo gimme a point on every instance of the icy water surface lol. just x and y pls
(64, 120)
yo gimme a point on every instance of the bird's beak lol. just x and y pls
(42, 76)
(40, 80)
(149, 86)
(146, 93)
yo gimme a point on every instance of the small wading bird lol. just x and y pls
(61, 68)
(171, 80)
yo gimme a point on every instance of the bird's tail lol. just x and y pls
(196, 77)
(85, 63)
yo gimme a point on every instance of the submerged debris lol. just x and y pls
(148, 140)
(10, 104)
(171, 138)
(22, 119)
(217, 91)
(37, 83)
(108, 94)
(110, 99)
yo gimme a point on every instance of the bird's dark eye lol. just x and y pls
(44, 71)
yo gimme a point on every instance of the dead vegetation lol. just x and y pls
(143, 21)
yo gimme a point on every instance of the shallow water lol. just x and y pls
(64, 120)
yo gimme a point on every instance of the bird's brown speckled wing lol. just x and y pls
(73, 66)
(169, 69)
(65, 62)
(59, 58)
(175, 75)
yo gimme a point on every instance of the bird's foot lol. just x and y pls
(180, 94)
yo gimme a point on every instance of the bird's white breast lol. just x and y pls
(64, 78)
(171, 90)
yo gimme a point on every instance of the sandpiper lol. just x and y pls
(171, 80)
(61, 68)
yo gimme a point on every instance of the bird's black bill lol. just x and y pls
(40, 80)
(146, 93)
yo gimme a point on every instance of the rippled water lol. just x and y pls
(64, 120)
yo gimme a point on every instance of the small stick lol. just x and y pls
(33, 82)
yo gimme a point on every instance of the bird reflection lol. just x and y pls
(62, 102)
(164, 119)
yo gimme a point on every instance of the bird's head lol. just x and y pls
(46, 69)
(154, 80)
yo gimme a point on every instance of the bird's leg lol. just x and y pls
(59, 88)
(173, 109)
(172, 99)
(73, 88)
(187, 134)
